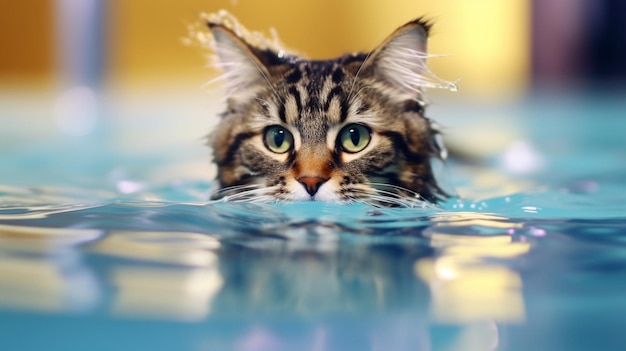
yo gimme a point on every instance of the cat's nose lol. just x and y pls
(312, 184)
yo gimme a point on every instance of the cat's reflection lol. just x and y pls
(286, 276)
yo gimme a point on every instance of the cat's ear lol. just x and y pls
(245, 66)
(400, 61)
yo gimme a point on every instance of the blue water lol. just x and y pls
(108, 242)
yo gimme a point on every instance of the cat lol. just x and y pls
(348, 129)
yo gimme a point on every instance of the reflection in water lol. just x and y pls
(40, 285)
(190, 249)
(290, 263)
(26, 202)
(183, 289)
(399, 273)
(39, 239)
(42, 269)
(40, 211)
(39, 271)
(467, 283)
(165, 293)
(359, 279)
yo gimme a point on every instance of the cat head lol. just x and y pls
(349, 129)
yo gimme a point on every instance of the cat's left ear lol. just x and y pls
(245, 66)
(400, 61)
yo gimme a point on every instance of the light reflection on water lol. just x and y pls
(307, 259)
(40, 270)
(393, 275)
(262, 262)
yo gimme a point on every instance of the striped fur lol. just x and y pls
(313, 101)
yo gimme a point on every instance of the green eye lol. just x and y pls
(354, 138)
(278, 139)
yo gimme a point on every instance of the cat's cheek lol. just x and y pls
(327, 193)
(297, 191)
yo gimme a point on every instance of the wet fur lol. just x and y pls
(313, 100)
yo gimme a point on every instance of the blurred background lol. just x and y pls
(497, 48)
(114, 77)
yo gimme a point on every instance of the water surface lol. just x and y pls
(107, 241)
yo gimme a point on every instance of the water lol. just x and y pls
(107, 242)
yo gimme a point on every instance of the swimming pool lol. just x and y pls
(107, 240)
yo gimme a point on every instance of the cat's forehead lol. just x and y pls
(314, 95)
(323, 68)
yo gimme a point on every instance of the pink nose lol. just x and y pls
(312, 184)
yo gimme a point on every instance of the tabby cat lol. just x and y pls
(349, 129)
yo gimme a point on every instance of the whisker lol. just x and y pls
(230, 70)
(384, 198)
(395, 196)
(237, 188)
(236, 191)
(382, 201)
(262, 100)
(375, 194)
(269, 83)
(396, 187)
(358, 92)
(246, 195)
(356, 76)
(403, 202)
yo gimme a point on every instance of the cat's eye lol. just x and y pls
(354, 138)
(278, 139)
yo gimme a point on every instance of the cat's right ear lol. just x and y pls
(400, 63)
(245, 67)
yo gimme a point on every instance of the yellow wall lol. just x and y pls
(26, 42)
(486, 40)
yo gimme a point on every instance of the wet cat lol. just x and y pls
(349, 129)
